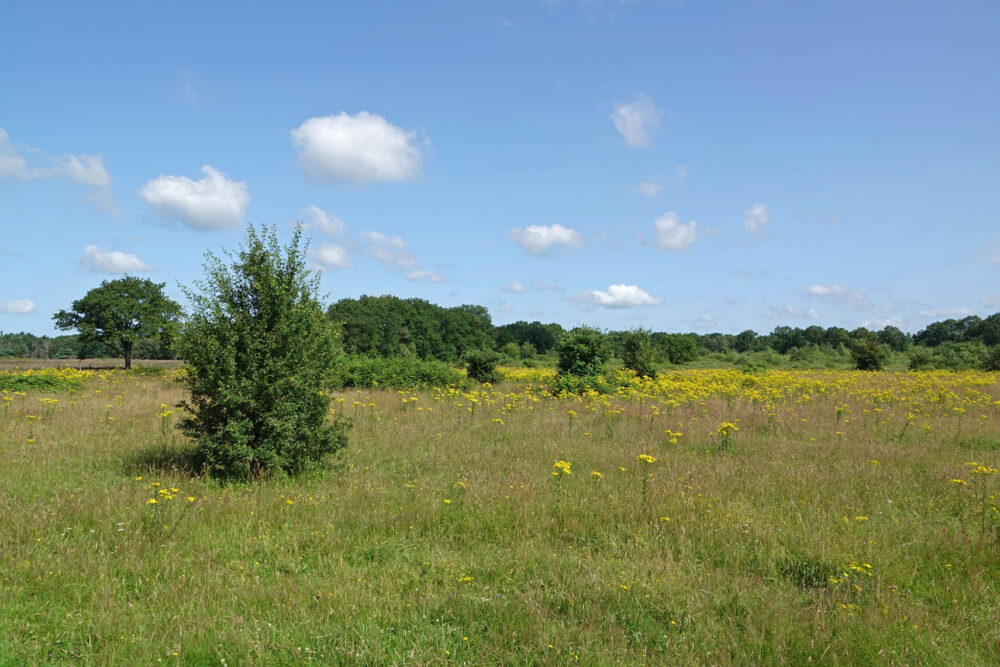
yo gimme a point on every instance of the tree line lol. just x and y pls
(389, 327)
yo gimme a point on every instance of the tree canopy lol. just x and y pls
(121, 312)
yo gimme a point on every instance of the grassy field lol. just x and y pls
(710, 517)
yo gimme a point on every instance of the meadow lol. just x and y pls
(706, 517)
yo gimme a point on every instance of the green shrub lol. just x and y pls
(511, 351)
(991, 361)
(638, 353)
(395, 373)
(577, 384)
(583, 352)
(868, 355)
(260, 351)
(482, 365)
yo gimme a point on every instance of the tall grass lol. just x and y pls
(827, 529)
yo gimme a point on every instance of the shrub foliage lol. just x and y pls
(260, 351)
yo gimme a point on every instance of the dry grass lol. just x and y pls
(814, 534)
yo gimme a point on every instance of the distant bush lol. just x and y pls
(396, 373)
(482, 365)
(577, 384)
(868, 355)
(950, 356)
(583, 352)
(991, 361)
(638, 353)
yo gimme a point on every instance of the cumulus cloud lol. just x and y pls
(791, 313)
(672, 234)
(843, 295)
(637, 121)
(211, 203)
(539, 239)
(542, 286)
(649, 189)
(514, 287)
(326, 256)
(425, 276)
(756, 218)
(390, 251)
(17, 307)
(618, 296)
(87, 170)
(113, 261)
(992, 300)
(364, 148)
(314, 217)
(947, 313)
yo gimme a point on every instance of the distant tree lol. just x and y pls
(868, 354)
(121, 312)
(837, 337)
(745, 340)
(260, 354)
(893, 338)
(638, 352)
(987, 330)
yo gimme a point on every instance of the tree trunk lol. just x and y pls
(128, 354)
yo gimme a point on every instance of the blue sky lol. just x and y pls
(685, 166)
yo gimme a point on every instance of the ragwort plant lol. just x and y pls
(260, 351)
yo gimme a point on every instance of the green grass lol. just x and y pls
(441, 535)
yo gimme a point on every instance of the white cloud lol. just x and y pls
(791, 313)
(88, 170)
(514, 287)
(425, 276)
(17, 306)
(705, 318)
(539, 239)
(213, 202)
(113, 261)
(882, 323)
(12, 164)
(649, 189)
(618, 296)
(756, 218)
(328, 256)
(314, 217)
(993, 259)
(947, 313)
(841, 294)
(992, 300)
(672, 234)
(542, 286)
(365, 148)
(390, 251)
(682, 173)
(636, 121)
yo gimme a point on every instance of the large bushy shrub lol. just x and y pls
(260, 352)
